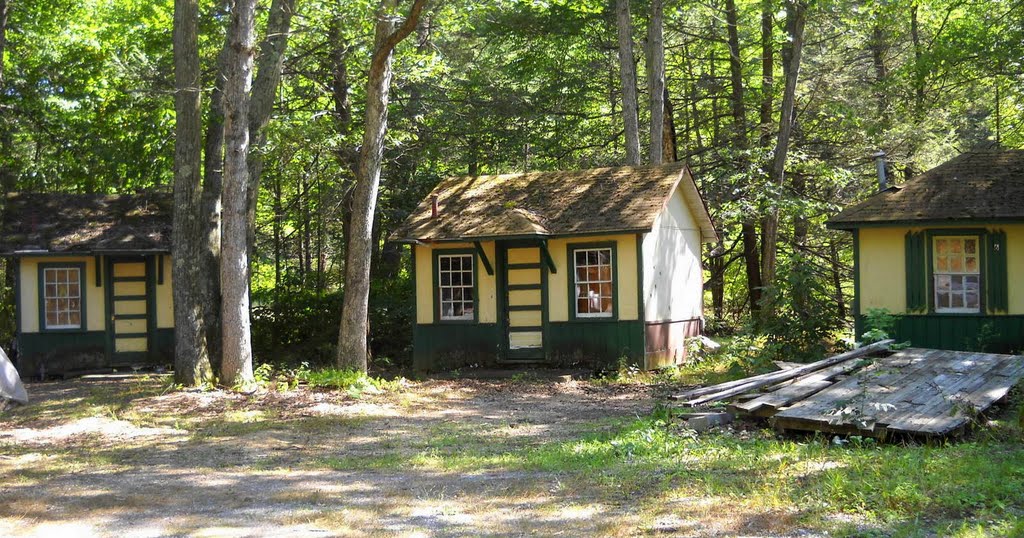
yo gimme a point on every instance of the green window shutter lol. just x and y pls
(996, 278)
(915, 271)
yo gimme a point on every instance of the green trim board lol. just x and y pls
(17, 296)
(98, 263)
(915, 271)
(483, 258)
(997, 291)
(571, 248)
(600, 343)
(82, 297)
(435, 293)
(439, 346)
(858, 321)
(641, 304)
(998, 333)
(545, 256)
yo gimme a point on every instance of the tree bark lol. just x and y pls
(656, 79)
(740, 141)
(791, 52)
(213, 174)
(352, 336)
(669, 148)
(264, 88)
(236, 367)
(191, 358)
(767, 69)
(8, 177)
(627, 79)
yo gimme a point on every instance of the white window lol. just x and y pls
(62, 297)
(455, 278)
(957, 273)
(593, 270)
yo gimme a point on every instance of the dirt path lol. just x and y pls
(118, 457)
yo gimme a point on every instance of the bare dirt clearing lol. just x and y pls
(123, 456)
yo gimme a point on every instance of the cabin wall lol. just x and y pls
(880, 282)
(450, 344)
(61, 350)
(673, 284)
(598, 342)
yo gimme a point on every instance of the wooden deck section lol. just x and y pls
(914, 391)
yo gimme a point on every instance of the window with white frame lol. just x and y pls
(455, 280)
(62, 297)
(956, 267)
(593, 273)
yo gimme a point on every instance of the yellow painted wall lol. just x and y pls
(625, 272)
(883, 281)
(165, 298)
(95, 313)
(95, 297)
(883, 266)
(485, 284)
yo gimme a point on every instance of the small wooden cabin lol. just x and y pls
(946, 251)
(92, 280)
(590, 266)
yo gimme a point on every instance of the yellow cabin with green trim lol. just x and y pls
(945, 251)
(92, 281)
(582, 267)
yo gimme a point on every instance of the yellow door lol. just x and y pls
(524, 304)
(128, 307)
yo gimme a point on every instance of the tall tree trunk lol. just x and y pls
(656, 78)
(767, 69)
(837, 281)
(191, 358)
(236, 366)
(627, 79)
(740, 141)
(264, 87)
(352, 336)
(878, 47)
(213, 174)
(8, 177)
(669, 148)
(791, 52)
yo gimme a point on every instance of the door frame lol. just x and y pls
(115, 358)
(507, 355)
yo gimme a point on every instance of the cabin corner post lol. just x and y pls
(858, 320)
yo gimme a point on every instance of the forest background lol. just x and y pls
(87, 104)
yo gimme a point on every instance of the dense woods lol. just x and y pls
(778, 107)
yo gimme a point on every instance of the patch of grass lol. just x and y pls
(352, 382)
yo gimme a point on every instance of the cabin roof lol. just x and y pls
(540, 204)
(978, 185)
(86, 223)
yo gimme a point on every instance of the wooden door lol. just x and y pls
(524, 303)
(128, 303)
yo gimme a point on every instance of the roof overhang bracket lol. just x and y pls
(483, 257)
(545, 256)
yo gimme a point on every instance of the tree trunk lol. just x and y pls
(669, 151)
(264, 87)
(236, 368)
(8, 177)
(767, 69)
(791, 52)
(352, 336)
(741, 143)
(878, 48)
(656, 79)
(837, 281)
(627, 78)
(191, 358)
(213, 174)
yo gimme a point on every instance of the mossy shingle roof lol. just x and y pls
(86, 223)
(979, 185)
(600, 200)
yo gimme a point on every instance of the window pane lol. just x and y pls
(446, 263)
(606, 305)
(446, 294)
(956, 300)
(956, 264)
(581, 273)
(942, 299)
(75, 318)
(942, 282)
(606, 290)
(467, 278)
(581, 306)
(457, 294)
(970, 246)
(606, 273)
(940, 246)
(592, 257)
(942, 264)
(956, 246)
(972, 265)
(467, 309)
(467, 294)
(456, 279)
(581, 257)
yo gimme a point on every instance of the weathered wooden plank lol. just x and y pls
(800, 387)
(775, 377)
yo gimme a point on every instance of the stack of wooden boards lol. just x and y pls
(916, 391)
